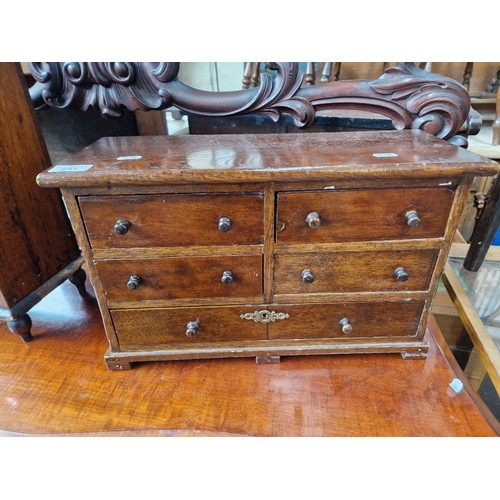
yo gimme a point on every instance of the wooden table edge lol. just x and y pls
(455, 367)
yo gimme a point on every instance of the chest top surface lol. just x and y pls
(151, 160)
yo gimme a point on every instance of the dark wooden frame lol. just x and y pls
(406, 94)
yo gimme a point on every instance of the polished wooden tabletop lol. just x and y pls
(58, 385)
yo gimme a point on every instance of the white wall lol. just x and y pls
(218, 76)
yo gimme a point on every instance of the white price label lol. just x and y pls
(70, 168)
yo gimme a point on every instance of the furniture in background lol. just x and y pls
(487, 103)
(487, 222)
(404, 95)
(38, 250)
(330, 72)
(490, 97)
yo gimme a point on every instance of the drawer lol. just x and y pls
(362, 215)
(135, 327)
(127, 280)
(173, 220)
(343, 272)
(348, 320)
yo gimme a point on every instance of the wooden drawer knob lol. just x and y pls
(227, 277)
(313, 220)
(122, 226)
(133, 282)
(345, 323)
(224, 224)
(307, 276)
(412, 218)
(401, 274)
(192, 328)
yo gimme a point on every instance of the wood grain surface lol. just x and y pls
(149, 327)
(181, 278)
(268, 157)
(353, 271)
(370, 215)
(173, 220)
(368, 319)
(59, 385)
(36, 237)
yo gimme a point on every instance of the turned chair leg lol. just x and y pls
(78, 279)
(22, 327)
(485, 230)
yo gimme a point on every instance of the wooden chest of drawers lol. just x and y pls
(265, 245)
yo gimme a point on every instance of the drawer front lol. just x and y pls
(173, 220)
(353, 271)
(347, 321)
(127, 280)
(135, 327)
(364, 215)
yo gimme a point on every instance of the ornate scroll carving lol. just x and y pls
(109, 86)
(409, 96)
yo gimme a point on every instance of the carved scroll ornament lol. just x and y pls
(409, 96)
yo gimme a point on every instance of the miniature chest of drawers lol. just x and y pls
(265, 245)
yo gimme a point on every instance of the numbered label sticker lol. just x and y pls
(70, 168)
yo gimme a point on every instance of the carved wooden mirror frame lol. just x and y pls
(409, 96)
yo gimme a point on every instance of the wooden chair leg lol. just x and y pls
(78, 279)
(21, 326)
(485, 230)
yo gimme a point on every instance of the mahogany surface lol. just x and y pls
(60, 385)
(362, 215)
(140, 327)
(353, 271)
(323, 320)
(181, 278)
(260, 158)
(173, 220)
